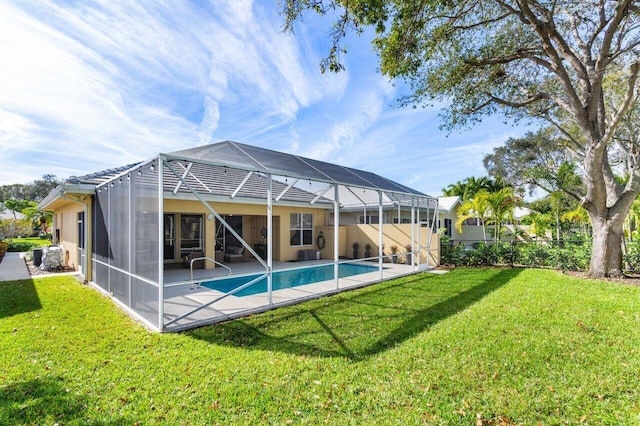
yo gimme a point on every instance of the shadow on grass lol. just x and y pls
(18, 297)
(358, 324)
(45, 401)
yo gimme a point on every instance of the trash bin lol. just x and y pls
(37, 257)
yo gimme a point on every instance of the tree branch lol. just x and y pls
(630, 97)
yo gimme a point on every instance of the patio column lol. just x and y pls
(336, 235)
(434, 228)
(419, 233)
(380, 233)
(160, 244)
(270, 238)
(413, 232)
(130, 242)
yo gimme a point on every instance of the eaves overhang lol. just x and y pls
(61, 193)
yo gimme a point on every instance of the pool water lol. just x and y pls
(287, 279)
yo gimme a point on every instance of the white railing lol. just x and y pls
(204, 258)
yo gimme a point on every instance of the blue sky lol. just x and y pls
(86, 86)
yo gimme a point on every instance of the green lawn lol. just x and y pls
(469, 347)
(26, 244)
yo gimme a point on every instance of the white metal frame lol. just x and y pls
(413, 202)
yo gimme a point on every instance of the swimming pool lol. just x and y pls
(287, 279)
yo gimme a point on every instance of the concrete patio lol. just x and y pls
(180, 298)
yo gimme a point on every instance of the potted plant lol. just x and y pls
(408, 254)
(367, 250)
(355, 246)
(394, 253)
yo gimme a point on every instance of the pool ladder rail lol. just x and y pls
(204, 258)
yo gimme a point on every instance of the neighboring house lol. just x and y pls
(448, 216)
(472, 228)
(138, 232)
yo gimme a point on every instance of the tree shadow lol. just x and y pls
(18, 297)
(357, 324)
(40, 401)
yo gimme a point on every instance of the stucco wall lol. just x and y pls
(66, 221)
(254, 219)
(393, 234)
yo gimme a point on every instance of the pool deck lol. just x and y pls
(181, 298)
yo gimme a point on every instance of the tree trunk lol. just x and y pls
(606, 254)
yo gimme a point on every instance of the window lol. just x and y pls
(448, 225)
(402, 220)
(191, 232)
(81, 230)
(371, 219)
(301, 229)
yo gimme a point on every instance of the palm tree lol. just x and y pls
(470, 186)
(501, 204)
(475, 208)
(538, 223)
(579, 216)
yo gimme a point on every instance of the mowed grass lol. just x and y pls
(469, 347)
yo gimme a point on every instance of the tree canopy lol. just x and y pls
(32, 191)
(536, 160)
(573, 65)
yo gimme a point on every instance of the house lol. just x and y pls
(471, 230)
(223, 230)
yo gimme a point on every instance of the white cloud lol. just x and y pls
(124, 80)
(90, 85)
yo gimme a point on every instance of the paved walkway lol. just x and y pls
(13, 267)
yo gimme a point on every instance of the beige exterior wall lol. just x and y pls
(399, 235)
(327, 232)
(254, 219)
(65, 220)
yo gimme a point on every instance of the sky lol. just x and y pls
(89, 85)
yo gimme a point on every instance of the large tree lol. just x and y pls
(543, 60)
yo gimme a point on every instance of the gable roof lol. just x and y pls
(448, 203)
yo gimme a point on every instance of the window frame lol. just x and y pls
(297, 231)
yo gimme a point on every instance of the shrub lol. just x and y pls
(572, 256)
(482, 255)
(451, 254)
(632, 258)
(22, 246)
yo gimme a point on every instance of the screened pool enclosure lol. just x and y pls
(224, 230)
